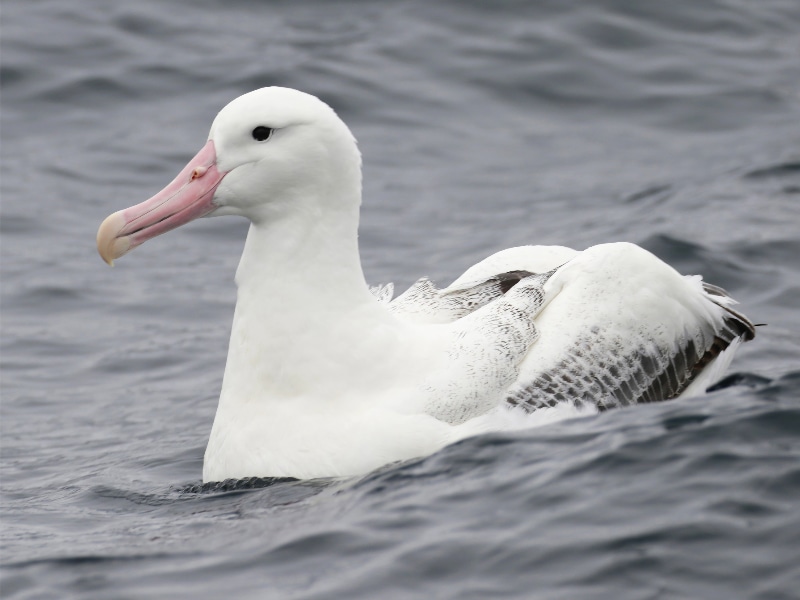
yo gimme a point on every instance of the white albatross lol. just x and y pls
(327, 377)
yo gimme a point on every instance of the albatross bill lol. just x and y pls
(189, 196)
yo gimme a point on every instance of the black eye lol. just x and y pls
(261, 133)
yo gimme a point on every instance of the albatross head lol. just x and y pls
(271, 152)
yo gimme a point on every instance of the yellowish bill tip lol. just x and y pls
(109, 245)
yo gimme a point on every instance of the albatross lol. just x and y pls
(327, 377)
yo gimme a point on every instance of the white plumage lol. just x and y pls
(327, 377)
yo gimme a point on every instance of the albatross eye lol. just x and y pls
(261, 133)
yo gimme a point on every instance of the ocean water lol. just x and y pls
(483, 125)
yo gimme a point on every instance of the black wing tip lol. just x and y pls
(715, 290)
(740, 325)
(735, 322)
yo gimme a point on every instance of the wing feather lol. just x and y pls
(614, 361)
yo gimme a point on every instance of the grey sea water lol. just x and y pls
(674, 125)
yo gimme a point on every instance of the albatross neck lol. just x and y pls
(306, 258)
(304, 314)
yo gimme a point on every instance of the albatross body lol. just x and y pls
(328, 377)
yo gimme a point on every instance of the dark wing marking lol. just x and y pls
(425, 299)
(506, 281)
(463, 301)
(600, 371)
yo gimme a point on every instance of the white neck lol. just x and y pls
(301, 255)
(304, 311)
